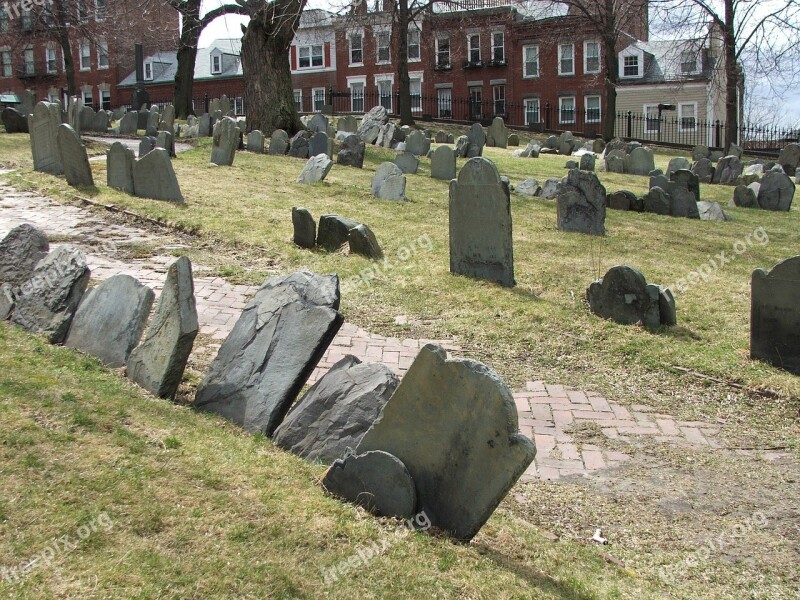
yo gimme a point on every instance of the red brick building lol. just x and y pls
(101, 34)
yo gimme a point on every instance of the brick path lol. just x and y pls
(546, 412)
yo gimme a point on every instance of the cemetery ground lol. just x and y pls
(76, 438)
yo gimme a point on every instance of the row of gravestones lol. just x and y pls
(334, 232)
(396, 467)
(80, 118)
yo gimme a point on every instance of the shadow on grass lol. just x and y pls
(677, 332)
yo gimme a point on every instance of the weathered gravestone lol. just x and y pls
(320, 144)
(775, 315)
(389, 182)
(110, 319)
(639, 161)
(305, 228)
(657, 201)
(581, 203)
(273, 349)
(417, 143)
(28, 102)
(480, 224)
(152, 122)
(318, 124)
(74, 158)
(100, 122)
(443, 163)
(158, 363)
(624, 296)
(686, 179)
(468, 453)
(166, 140)
(744, 197)
(704, 169)
(587, 162)
(497, 134)
(333, 231)
(47, 302)
(347, 123)
(711, 211)
(7, 301)
(362, 241)
(166, 121)
(226, 141)
(728, 170)
(146, 145)
(351, 152)
(128, 123)
(513, 140)
(154, 177)
(789, 158)
(776, 191)
(298, 146)
(205, 125)
(371, 124)
(407, 162)
(700, 152)
(14, 121)
(86, 118)
(43, 126)
(679, 162)
(462, 146)
(337, 411)
(528, 187)
(621, 200)
(279, 142)
(20, 252)
(477, 140)
(316, 169)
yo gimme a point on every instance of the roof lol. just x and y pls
(663, 60)
(10, 99)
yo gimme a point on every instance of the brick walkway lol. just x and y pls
(546, 412)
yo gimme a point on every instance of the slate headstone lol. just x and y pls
(789, 158)
(728, 170)
(528, 187)
(225, 143)
(775, 315)
(128, 123)
(497, 134)
(623, 296)
(443, 163)
(477, 140)
(20, 252)
(704, 169)
(319, 144)
(279, 142)
(581, 203)
(640, 161)
(362, 241)
(43, 126)
(333, 231)
(389, 183)
(316, 169)
(587, 162)
(119, 167)
(657, 201)
(776, 191)
(745, 197)
(14, 121)
(154, 177)
(346, 123)
(407, 162)
(351, 152)
(74, 158)
(146, 145)
(417, 143)
(711, 211)
(305, 228)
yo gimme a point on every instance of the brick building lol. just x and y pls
(100, 33)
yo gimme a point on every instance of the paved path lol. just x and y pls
(546, 412)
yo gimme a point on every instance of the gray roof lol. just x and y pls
(662, 60)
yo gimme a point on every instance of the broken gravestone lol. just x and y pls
(775, 315)
(333, 231)
(581, 203)
(362, 241)
(351, 153)
(623, 296)
(316, 169)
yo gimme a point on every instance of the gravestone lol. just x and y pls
(462, 146)
(682, 202)
(347, 123)
(167, 120)
(728, 170)
(85, 118)
(100, 122)
(279, 142)
(225, 105)
(20, 252)
(152, 122)
(14, 121)
(371, 124)
(318, 124)
(146, 145)
(154, 177)
(74, 158)
(119, 167)
(776, 191)
(28, 102)
(550, 188)
(351, 153)
(587, 162)
(659, 181)
(513, 140)
(272, 350)
(621, 200)
(679, 162)
(529, 187)
(497, 134)
(43, 126)
(443, 163)
(389, 183)
(205, 125)
(686, 179)
(128, 123)
(417, 143)
(581, 203)
(775, 315)
(407, 162)
(477, 140)
(711, 211)
(110, 319)
(362, 241)
(140, 98)
(298, 146)
(639, 161)
(468, 453)
(704, 169)
(226, 141)
(166, 140)
(305, 228)
(700, 152)
(480, 224)
(316, 169)
(47, 302)
(789, 158)
(624, 296)
(158, 363)
(333, 231)
(657, 201)
(744, 197)
(440, 137)
(320, 144)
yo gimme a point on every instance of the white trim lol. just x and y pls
(84, 43)
(217, 54)
(356, 79)
(524, 62)
(51, 46)
(101, 41)
(492, 46)
(645, 128)
(418, 44)
(680, 116)
(631, 51)
(538, 118)
(350, 34)
(560, 58)
(442, 36)
(469, 47)
(384, 77)
(147, 63)
(672, 86)
(297, 94)
(380, 31)
(585, 56)
(599, 108)
(314, 98)
(560, 109)
(362, 80)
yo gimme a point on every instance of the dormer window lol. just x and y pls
(688, 62)
(631, 62)
(216, 64)
(148, 71)
(631, 68)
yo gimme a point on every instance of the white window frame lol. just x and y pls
(84, 45)
(696, 69)
(102, 50)
(351, 48)
(7, 66)
(561, 109)
(681, 105)
(148, 70)
(311, 65)
(51, 49)
(216, 63)
(298, 100)
(357, 81)
(315, 98)
(470, 48)
(388, 47)
(440, 37)
(525, 74)
(100, 10)
(82, 11)
(381, 79)
(561, 58)
(418, 78)
(87, 93)
(501, 88)
(103, 95)
(502, 46)
(29, 65)
(586, 57)
(537, 113)
(444, 103)
(646, 128)
(628, 53)
(586, 108)
(413, 30)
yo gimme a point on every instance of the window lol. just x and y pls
(416, 94)
(592, 106)
(532, 111)
(356, 49)
(5, 63)
(566, 109)
(443, 52)
(385, 93)
(476, 103)
(591, 57)
(566, 59)
(82, 11)
(474, 48)
(688, 62)
(413, 44)
(687, 116)
(530, 61)
(102, 53)
(444, 101)
(382, 41)
(238, 105)
(105, 100)
(99, 9)
(86, 56)
(3, 21)
(27, 24)
(498, 47)
(357, 96)
(630, 66)
(148, 71)
(50, 59)
(298, 100)
(29, 65)
(309, 56)
(216, 64)
(319, 99)
(499, 97)
(652, 123)
(87, 97)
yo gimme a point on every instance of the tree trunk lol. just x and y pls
(69, 63)
(612, 77)
(731, 78)
(187, 54)
(268, 89)
(404, 90)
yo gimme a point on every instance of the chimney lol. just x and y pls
(139, 63)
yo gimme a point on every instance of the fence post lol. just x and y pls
(205, 101)
(630, 124)
(717, 139)
(547, 116)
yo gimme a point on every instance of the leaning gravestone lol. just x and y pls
(776, 191)
(273, 349)
(728, 169)
(226, 140)
(14, 121)
(581, 203)
(621, 200)
(682, 203)
(333, 231)
(167, 120)
(462, 146)
(74, 158)
(468, 453)
(362, 241)
(279, 142)
(624, 296)
(316, 169)
(128, 123)
(305, 228)
(166, 140)
(775, 315)
(480, 224)
(477, 140)
(152, 122)
(371, 124)
(550, 188)
(704, 169)
(319, 144)
(615, 161)
(407, 162)
(513, 140)
(158, 363)
(711, 211)
(497, 135)
(336, 412)
(443, 163)
(351, 152)
(43, 125)
(528, 187)
(389, 182)
(119, 167)
(154, 177)
(744, 197)
(110, 319)
(20, 252)
(47, 302)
